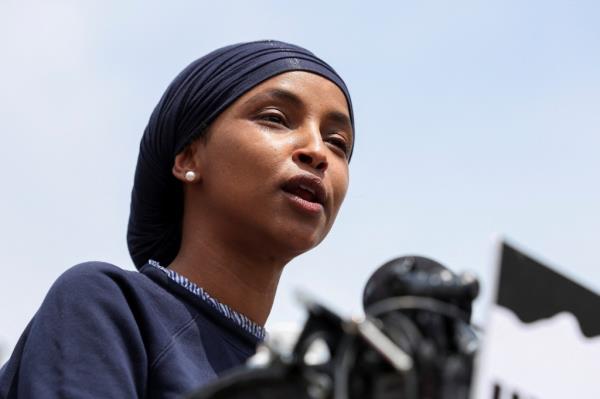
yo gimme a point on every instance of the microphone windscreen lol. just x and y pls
(419, 276)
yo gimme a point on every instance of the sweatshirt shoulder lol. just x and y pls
(89, 277)
(94, 269)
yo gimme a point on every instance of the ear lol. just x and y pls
(189, 160)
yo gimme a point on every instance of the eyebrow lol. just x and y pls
(291, 98)
(277, 94)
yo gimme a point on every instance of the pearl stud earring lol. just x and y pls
(190, 175)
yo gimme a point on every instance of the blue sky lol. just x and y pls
(474, 119)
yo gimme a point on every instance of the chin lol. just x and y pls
(300, 242)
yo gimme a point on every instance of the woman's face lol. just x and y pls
(273, 167)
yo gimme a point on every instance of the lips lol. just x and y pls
(307, 187)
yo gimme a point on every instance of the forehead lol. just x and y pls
(310, 88)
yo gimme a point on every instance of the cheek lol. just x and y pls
(340, 182)
(245, 155)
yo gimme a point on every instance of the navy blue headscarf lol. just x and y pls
(192, 101)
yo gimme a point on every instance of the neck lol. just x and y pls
(229, 273)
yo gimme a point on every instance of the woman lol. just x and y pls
(243, 166)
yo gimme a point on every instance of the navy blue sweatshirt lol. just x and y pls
(103, 332)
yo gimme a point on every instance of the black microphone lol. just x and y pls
(417, 276)
(425, 309)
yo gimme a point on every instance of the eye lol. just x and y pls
(339, 143)
(273, 117)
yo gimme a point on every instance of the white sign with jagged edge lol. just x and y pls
(546, 359)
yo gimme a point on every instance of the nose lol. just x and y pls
(311, 151)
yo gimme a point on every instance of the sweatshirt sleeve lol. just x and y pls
(83, 342)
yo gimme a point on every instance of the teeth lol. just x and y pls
(310, 190)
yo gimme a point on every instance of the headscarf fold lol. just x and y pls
(190, 104)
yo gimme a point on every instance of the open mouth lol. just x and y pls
(309, 189)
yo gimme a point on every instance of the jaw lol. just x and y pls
(298, 237)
